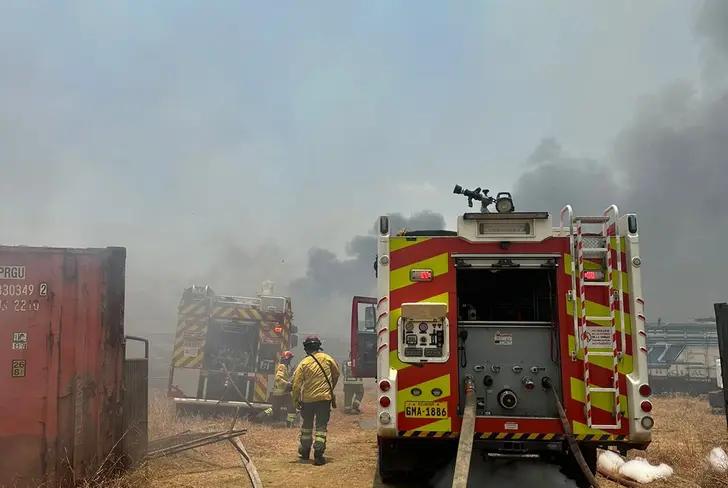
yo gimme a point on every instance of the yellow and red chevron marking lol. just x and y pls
(601, 368)
(434, 253)
(197, 307)
(235, 312)
(189, 343)
(260, 394)
(407, 253)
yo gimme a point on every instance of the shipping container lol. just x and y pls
(61, 363)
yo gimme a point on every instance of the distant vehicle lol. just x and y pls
(226, 348)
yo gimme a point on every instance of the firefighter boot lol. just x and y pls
(319, 446)
(304, 450)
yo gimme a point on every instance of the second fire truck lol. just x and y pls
(226, 348)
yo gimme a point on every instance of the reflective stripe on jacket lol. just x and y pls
(309, 383)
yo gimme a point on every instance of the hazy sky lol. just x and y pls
(199, 134)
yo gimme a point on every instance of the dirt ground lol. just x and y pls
(685, 432)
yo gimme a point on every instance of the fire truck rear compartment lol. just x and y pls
(508, 337)
(230, 345)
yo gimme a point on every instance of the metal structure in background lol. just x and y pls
(136, 405)
(681, 357)
(721, 322)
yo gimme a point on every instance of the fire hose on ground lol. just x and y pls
(573, 445)
(467, 433)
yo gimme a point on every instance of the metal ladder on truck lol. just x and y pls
(606, 242)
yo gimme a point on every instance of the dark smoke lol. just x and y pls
(711, 25)
(669, 165)
(323, 296)
(222, 264)
(553, 173)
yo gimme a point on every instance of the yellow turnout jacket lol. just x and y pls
(309, 384)
(282, 379)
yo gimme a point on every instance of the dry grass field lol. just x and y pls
(685, 432)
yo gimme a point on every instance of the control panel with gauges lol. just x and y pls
(423, 333)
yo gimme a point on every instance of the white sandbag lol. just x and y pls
(718, 460)
(609, 462)
(641, 471)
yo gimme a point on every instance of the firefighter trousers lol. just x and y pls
(353, 394)
(283, 409)
(317, 413)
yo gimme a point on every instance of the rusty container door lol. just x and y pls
(61, 363)
(136, 401)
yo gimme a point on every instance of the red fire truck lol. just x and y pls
(226, 349)
(518, 309)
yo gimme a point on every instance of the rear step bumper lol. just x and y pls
(554, 446)
(520, 447)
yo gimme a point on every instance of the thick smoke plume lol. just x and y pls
(323, 296)
(669, 165)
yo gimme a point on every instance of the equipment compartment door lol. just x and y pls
(508, 333)
(364, 337)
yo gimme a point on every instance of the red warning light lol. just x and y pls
(278, 329)
(593, 275)
(421, 275)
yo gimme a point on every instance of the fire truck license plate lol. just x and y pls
(425, 410)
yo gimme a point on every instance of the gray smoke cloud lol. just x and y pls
(154, 290)
(710, 25)
(668, 165)
(552, 173)
(323, 295)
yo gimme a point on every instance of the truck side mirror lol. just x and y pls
(294, 341)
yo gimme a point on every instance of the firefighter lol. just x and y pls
(281, 400)
(353, 390)
(313, 391)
